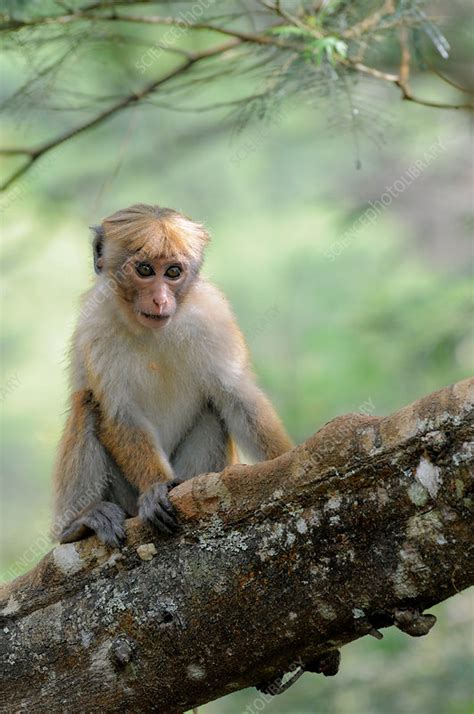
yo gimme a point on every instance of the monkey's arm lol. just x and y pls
(81, 479)
(136, 450)
(231, 387)
(250, 417)
(121, 426)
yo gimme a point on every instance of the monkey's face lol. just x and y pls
(156, 288)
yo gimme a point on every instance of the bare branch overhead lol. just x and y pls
(309, 48)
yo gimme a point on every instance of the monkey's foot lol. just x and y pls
(105, 519)
(155, 508)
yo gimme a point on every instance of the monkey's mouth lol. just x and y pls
(158, 318)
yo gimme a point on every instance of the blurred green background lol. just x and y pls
(334, 324)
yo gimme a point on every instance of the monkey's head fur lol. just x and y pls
(153, 255)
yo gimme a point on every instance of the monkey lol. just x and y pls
(162, 389)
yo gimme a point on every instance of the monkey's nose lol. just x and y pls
(160, 304)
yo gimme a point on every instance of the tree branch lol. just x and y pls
(371, 22)
(35, 153)
(277, 566)
(255, 38)
(285, 32)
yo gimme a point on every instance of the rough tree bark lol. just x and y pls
(366, 524)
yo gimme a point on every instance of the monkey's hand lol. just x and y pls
(155, 507)
(105, 519)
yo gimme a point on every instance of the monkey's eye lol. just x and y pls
(144, 269)
(173, 272)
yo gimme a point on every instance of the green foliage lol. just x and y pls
(314, 49)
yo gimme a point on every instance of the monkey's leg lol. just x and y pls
(82, 475)
(204, 448)
(105, 519)
(251, 419)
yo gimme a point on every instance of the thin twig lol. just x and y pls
(405, 58)
(448, 80)
(373, 72)
(436, 105)
(86, 14)
(208, 107)
(291, 19)
(371, 22)
(406, 94)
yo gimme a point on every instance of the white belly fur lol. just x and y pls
(166, 393)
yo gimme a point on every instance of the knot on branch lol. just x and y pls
(121, 652)
(327, 664)
(413, 622)
(363, 626)
(276, 685)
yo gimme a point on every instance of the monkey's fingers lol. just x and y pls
(159, 517)
(162, 521)
(156, 508)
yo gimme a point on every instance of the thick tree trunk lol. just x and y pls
(363, 526)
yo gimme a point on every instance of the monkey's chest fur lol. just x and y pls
(165, 389)
(171, 401)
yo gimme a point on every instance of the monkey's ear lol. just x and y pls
(97, 248)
